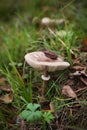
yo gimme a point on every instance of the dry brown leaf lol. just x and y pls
(67, 90)
(7, 98)
(2, 80)
(5, 88)
(50, 55)
(51, 107)
(79, 68)
(85, 41)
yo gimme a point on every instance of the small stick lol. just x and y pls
(81, 89)
(83, 80)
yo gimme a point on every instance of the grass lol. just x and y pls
(18, 85)
(19, 39)
(23, 34)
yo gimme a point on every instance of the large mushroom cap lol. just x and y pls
(40, 61)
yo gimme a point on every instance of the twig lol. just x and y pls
(83, 80)
(81, 89)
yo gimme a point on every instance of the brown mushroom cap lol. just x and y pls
(40, 61)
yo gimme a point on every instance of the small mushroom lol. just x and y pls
(48, 21)
(47, 62)
(45, 21)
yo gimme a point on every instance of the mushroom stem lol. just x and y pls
(43, 90)
(44, 83)
(45, 78)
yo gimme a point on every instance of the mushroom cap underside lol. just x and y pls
(40, 61)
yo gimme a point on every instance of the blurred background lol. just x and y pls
(28, 13)
(75, 10)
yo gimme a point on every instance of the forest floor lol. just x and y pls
(60, 29)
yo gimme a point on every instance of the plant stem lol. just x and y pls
(44, 125)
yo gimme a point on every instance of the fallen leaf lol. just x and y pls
(51, 107)
(76, 60)
(2, 80)
(67, 90)
(77, 67)
(50, 55)
(79, 71)
(5, 88)
(7, 98)
(84, 45)
(85, 41)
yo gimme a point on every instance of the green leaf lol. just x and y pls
(38, 114)
(25, 114)
(31, 114)
(48, 117)
(33, 107)
(34, 116)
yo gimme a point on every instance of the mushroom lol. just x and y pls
(47, 21)
(45, 61)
